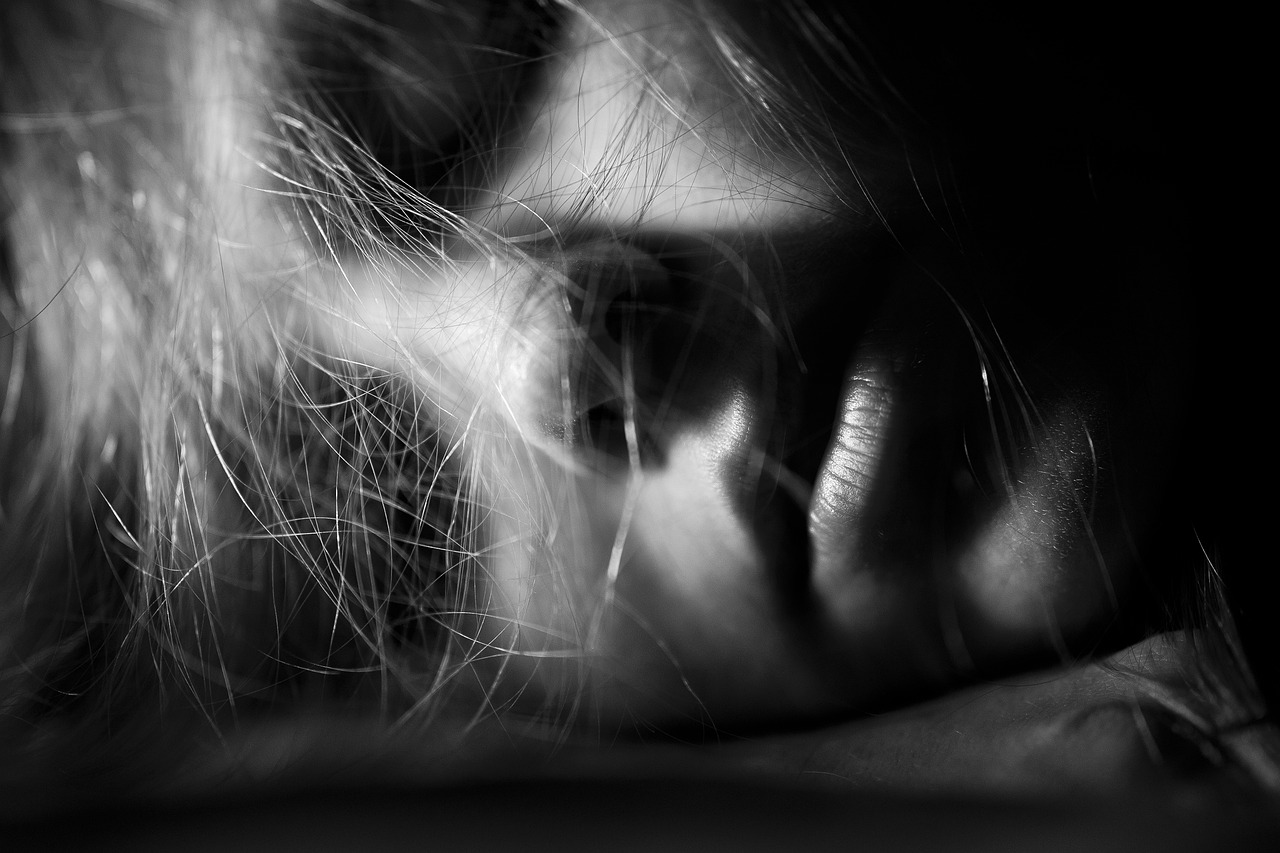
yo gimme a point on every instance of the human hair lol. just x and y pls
(453, 368)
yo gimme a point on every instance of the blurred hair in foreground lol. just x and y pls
(706, 411)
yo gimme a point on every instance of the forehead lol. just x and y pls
(643, 117)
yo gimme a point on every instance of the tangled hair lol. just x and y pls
(237, 486)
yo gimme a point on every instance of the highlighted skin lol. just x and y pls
(786, 392)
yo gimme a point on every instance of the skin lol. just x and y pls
(752, 533)
(725, 527)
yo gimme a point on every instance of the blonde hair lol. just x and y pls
(220, 494)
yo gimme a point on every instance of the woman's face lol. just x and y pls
(766, 423)
(689, 371)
